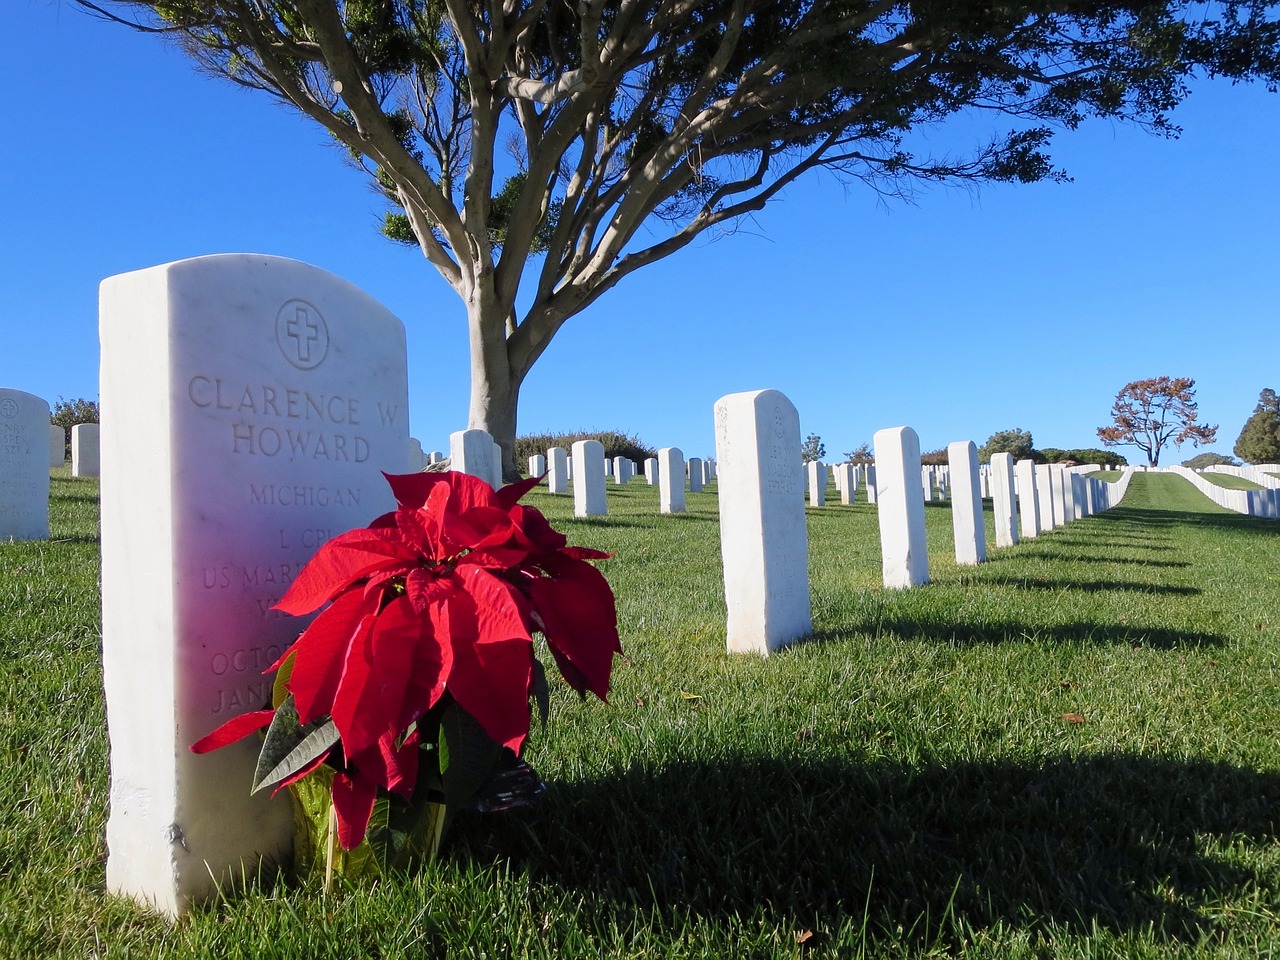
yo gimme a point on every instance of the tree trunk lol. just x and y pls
(495, 387)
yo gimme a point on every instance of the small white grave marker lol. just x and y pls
(557, 470)
(763, 542)
(85, 450)
(900, 503)
(57, 446)
(670, 480)
(471, 452)
(588, 479)
(817, 471)
(966, 503)
(1028, 499)
(695, 474)
(24, 467)
(1003, 503)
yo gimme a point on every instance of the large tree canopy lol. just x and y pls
(525, 143)
(1149, 414)
(1259, 440)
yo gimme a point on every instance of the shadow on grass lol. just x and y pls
(968, 635)
(1091, 586)
(1041, 554)
(1142, 519)
(1115, 841)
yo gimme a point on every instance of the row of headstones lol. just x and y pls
(763, 537)
(283, 396)
(25, 462)
(1264, 503)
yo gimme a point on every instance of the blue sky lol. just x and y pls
(959, 314)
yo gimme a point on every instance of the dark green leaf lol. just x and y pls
(290, 746)
(467, 757)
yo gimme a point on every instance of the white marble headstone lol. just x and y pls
(86, 454)
(24, 466)
(651, 471)
(670, 480)
(588, 479)
(966, 503)
(1028, 498)
(273, 396)
(57, 446)
(900, 505)
(816, 472)
(763, 541)
(557, 470)
(1004, 504)
(537, 465)
(694, 465)
(471, 452)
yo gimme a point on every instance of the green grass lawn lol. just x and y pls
(1231, 481)
(1070, 751)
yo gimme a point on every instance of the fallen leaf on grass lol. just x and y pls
(804, 937)
(1073, 718)
(686, 695)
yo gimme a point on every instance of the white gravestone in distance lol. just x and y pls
(1028, 498)
(621, 470)
(651, 471)
(695, 474)
(274, 395)
(471, 452)
(1045, 496)
(417, 459)
(966, 503)
(557, 470)
(670, 480)
(57, 446)
(1003, 503)
(763, 541)
(817, 477)
(848, 484)
(900, 505)
(588, 479)
(24, 467)
(873, 493)
(85, 450)
(537, 465)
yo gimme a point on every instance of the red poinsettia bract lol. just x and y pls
(443, 594)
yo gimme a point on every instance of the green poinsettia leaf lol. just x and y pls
(290, 746)
(541, 692)
(467, 757)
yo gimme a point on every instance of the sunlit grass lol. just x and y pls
(1068, 751)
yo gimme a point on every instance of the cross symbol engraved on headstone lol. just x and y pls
(302, 319)
(8, 408)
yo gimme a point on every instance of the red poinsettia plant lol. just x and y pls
(415, 682)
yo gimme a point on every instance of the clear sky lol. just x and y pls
(959, 314)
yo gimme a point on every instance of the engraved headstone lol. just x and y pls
(763, 541)
(85, 450)
(471, 452)
(57, 446)
(904, 557)
(1004, 505)
(588, 479)
(278, 396)
(24, 468)
(557, 470)
(966, 503)
(670, 480)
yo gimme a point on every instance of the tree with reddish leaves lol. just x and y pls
(1149, 414)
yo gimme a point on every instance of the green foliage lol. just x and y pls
(1015, 441)
(812, 449)
(1202, 460)
(860, 454)
(1259, 441)
(935, 458)
(615, 444)
(1079, 455)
